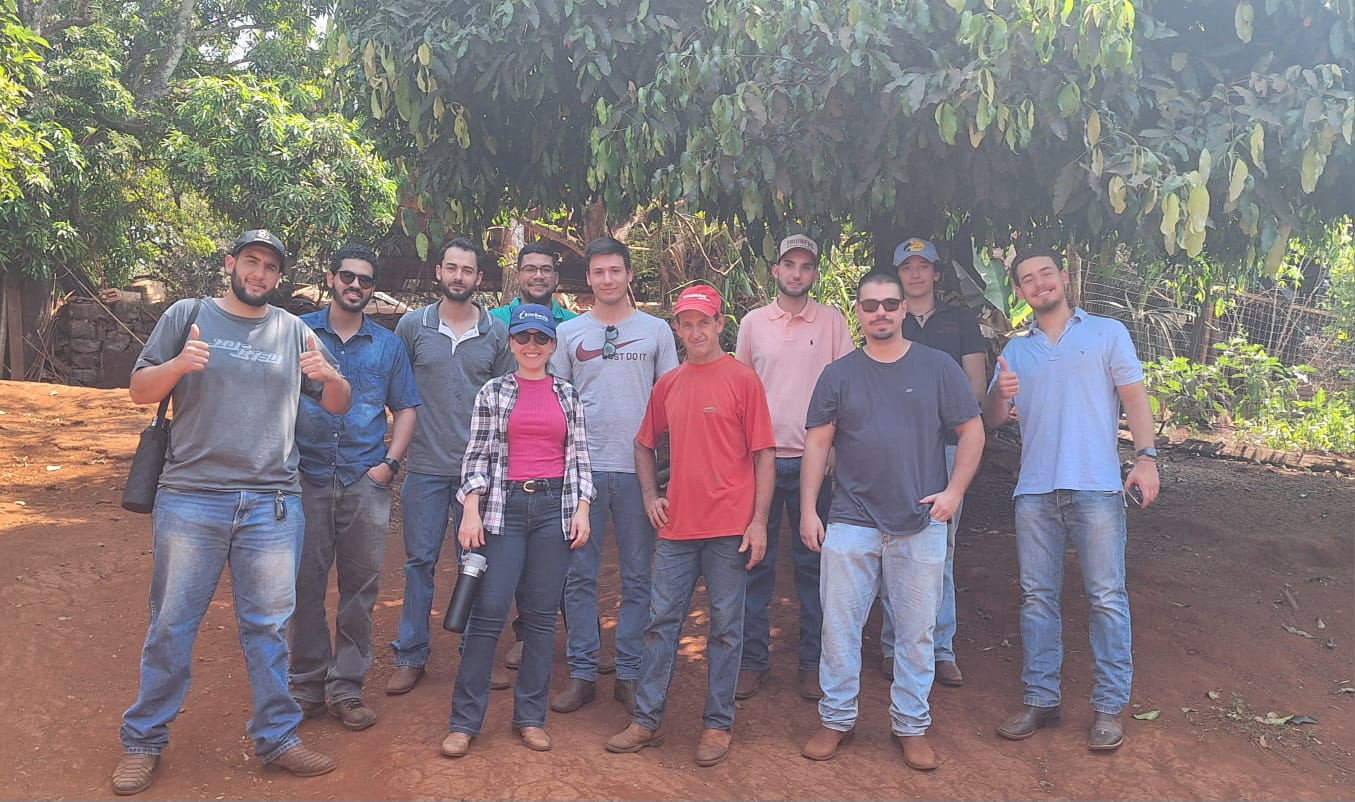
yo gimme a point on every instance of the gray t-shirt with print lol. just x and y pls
(234, 423)
(614, 389)
(891, 422)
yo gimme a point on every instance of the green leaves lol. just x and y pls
(1244, 20)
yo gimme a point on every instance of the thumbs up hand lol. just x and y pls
(1007, 385)
(314, 365)
(193, 357)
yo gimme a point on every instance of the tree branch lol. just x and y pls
(158, 85)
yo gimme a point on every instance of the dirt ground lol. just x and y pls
(1209, 568)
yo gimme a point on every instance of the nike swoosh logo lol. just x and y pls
(584, 354)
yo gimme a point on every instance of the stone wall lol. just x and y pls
(98, 342)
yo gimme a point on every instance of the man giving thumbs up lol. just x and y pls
(229, 494)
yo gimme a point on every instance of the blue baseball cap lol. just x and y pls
(915, 246)
(531, 317)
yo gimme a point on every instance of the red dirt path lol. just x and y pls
(1207, 569)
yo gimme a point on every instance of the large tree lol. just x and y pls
(1175, 128)
(171, 123)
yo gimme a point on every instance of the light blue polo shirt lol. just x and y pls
(1068, 406)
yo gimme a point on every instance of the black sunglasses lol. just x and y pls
(348, 277)
(524, 337)
(609, 344)
(890, 304)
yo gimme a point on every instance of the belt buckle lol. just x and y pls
(529, 486)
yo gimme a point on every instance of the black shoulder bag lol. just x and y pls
(149, 461)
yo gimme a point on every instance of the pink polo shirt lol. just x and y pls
(788, 352)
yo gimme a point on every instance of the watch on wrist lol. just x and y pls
(393, 463)
(1148, 452)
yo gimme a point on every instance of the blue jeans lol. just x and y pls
(1093, 521)
(945, 614)
(528, 561)
(426, 502)
(677, 565)
(761, 580)
(619, 496)
(196, 535)
(347, 526)
(856, 562)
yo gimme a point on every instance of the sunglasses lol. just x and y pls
(348, 277)
(609, 342)
(890, 304)
(524, 337)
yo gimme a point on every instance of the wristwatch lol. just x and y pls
(1148, 452)
(394, 465)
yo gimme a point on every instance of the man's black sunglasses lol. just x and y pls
(890, 304)
(348, 277)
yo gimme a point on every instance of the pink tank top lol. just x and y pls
(536, 432)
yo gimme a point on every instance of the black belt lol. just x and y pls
(535, 485)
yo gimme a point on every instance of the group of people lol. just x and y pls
(531, 429)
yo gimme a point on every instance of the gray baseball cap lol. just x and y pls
(259, 236)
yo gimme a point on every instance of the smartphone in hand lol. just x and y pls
(1136, 494)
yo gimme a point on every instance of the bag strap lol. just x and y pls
(187, 329)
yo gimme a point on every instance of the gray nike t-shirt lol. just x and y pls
(234, 423)
(614, 389)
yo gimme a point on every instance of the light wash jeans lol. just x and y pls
(677, 566)
(761, 580)
(427, 502)
(856, 562)
(528, 561)
(346, 526)
(945, 613)
(1093, 520)
(618, 495)
(197, 534)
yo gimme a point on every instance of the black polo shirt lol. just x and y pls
(952, 329)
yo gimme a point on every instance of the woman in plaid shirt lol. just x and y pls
(526, 484)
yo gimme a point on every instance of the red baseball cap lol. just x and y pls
(701, 297)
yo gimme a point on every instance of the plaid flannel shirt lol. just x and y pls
(485, 468)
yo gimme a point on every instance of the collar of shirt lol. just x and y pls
(811, 309)
(364, 329)
(1033, 326)
(431, 319)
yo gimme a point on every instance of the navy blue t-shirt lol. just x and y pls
(891, 422)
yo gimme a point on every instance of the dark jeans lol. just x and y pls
(528, 561)
(346, 526)
(677, 566)
(761, 580)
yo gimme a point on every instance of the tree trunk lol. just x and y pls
(169, 58)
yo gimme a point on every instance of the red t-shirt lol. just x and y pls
(716, 415)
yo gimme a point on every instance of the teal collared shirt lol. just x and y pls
(503, 313)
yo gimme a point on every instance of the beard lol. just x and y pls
(800, 293)
(457, 295)
(242, 293)
(348, 305)
(529, 297)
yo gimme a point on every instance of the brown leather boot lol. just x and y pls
(304, 762)
(917, 753)
(1024, 724)
(633, 739)
(713, 747)
(577, 693)
(403, 680)
(134, 773)
(825, 743)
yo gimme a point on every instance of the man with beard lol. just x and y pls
(788, 343)
(537, 276)
(348, 471)
(229, 495)
(455, 347)
(1068, 378)
(884, 408)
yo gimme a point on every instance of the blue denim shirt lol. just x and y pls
(377, 367)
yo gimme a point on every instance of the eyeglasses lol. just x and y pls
(348, 277)
(609, 344)
(524, 337)
(890, 304)
(537, 270)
